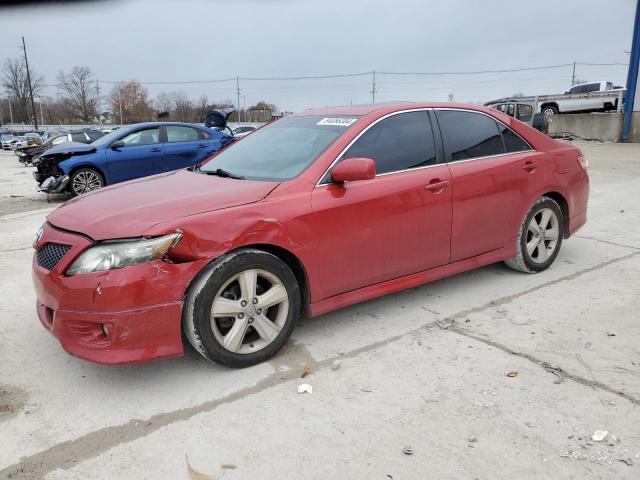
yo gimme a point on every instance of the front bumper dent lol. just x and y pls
(52, 184)
(128, 315)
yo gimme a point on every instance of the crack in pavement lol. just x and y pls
(16, 249)
(68, 454)
(559, 371)
(609, 242)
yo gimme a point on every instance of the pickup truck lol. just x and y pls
(523, 111)
(584, 97)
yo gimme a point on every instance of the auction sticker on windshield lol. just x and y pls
(337, 121)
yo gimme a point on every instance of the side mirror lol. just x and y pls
(117, 144)
(352, 169)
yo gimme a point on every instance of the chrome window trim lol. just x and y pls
(423, 109)
(531, 149)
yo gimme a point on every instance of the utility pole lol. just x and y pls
(244, 106)
(10, 111)
(41, 114)
(632, 77)
(33, 107)
(98, 102)
(120, 102)
(373, 87)
(238, 90)
(573, 75)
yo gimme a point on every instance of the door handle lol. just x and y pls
(156, 149)
(202, 146)
(437, 184)
(530, 166)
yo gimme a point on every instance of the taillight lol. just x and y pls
(584, 163)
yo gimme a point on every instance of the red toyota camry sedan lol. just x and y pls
(311, 213)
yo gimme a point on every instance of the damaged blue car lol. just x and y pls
(125, 154)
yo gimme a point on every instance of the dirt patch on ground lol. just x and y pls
(12, 400)
(25, 204)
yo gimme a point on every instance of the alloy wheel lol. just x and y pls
(86, 181)
(249, 311)
(542, 235)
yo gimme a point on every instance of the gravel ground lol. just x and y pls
(490, 374)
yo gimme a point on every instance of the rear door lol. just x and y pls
(393, 225)
(184, 147)
(495, 175)
(141, 155)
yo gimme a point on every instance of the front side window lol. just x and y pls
(181, 134)
(399, 142)
(470, 135)
(281, 150)
(142, 137)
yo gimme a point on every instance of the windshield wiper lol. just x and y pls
(222, 173)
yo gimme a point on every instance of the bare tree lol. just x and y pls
(201, 108)
(163, 105)
(78, 93)
(183, 106)
(16, 84)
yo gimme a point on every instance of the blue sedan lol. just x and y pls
(131, 152)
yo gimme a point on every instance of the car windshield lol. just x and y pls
(281, 150)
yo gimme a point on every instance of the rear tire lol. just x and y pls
(85, 180)
(242, 308)
(549, 111)
(540, 237)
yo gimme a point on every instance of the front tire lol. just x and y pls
(242, 308)
(85, 180)
(540, 237)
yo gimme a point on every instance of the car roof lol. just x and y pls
(386, 108)
(159, 124)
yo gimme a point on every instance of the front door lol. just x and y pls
(141, 155)
(393, 225)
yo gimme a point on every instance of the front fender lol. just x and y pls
(92, 160)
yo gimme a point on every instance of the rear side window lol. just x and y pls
(524, 112)
(470, 135)
(181, 134)
(94, 135)
(512, 142)
(399, 142)
(202, 135)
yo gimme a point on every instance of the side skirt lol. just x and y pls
(409, 281)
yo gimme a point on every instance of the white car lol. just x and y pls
(28, 139)
(11, 143)
(242, 131)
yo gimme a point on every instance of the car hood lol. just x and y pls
(71, 147)
(130, 209)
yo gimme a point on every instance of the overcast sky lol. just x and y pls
(161, 40)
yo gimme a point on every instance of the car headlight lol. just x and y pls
(38, 236)
(114, 254)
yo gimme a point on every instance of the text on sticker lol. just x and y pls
(337, 121)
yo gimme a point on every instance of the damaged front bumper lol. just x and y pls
(51, 184)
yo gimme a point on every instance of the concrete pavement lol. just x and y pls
(425, 368)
